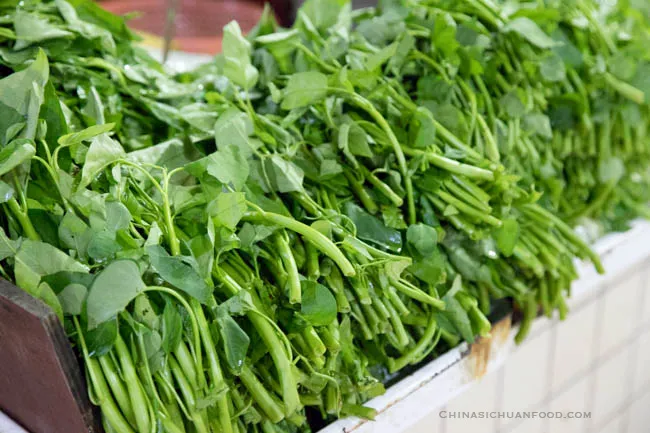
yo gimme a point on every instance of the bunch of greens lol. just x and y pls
(321, 206)
(400, 136)
(162, 265)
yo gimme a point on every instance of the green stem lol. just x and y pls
(261, 396)
(415, 293)
(110, 411)
(213, 365)
(361, 193)
(414, 353)
(197, 418)
(196, 348)
(367, 106)
(23, 219)
(117, 387)
(386, 190)
(139, 401)
(451, 165)
(529, 312)
(322, 242)
(467, 209)
(275, 347)
(289, 262)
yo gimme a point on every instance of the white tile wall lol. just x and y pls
(639, 414)
(574, 344)
(620, 312)
(596, 362)
(527, 365)
(573, 399)
(611, 387)
(433, 424)
(642, 368)
(531, 425)
(614, 425)
(481, 397)
(645, 294)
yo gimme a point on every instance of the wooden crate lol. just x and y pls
(42, 386)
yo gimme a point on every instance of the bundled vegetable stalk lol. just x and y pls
(315, 210)
(140, 250)
(367, 131)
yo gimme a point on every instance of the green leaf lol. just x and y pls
(236, 52)
(611, 170)
(324, 14)
(36, 259)
(527, 29)
(458, 317)
(72, 298)
(371, 229)
(72, 233)
(6, 191)
(15, 153)
(52, 113)
(44, 293)
(318, 305)
(112, 290)
(102, 152)
(235, 342)
(178, 272)
(118, 216)
(102, 245)
(85, 134)
(234, 128)
(31, 28)
(87, 30)
(21, 95)
(358, 141)
(329, 168)
(304, 88)
(377, 60)
(430, 269)
(422, 130)
(172, 327)
(101, 339)
(539, 124)
(405, 44)
(393, 217)
(552, 68)
(444, 34)
(93, 111)
(237, 305)
(228, 166)
(285, 176)
(60, 280)
(512, 105)
(507, 236)
(227, 209)
(424, 238)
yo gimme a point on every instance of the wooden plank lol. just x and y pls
(41, 384)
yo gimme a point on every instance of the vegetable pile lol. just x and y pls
(259, 244)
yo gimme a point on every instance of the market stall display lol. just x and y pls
(264, 241)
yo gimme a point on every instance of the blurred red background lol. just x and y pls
(198, 22)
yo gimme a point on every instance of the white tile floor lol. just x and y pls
(597, 362)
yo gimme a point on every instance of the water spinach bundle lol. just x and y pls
(259, 244)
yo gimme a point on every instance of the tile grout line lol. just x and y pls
(596, 362)
(499, 399)
(550, 371)
(633, 355)
(625, 406)
(584, 374)
(595, 350)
